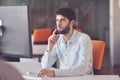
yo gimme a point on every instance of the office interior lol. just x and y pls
(98, 18)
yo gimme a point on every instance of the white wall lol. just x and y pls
(115, 32)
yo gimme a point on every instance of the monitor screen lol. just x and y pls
(15, 38)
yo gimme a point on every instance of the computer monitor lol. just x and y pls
(15, 38)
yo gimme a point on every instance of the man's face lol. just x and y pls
(63, 24)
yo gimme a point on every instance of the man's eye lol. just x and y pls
(62, 19)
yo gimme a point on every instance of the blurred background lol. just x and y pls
(92, 15)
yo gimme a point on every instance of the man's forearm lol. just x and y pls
(48, 59)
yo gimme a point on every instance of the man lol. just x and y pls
(72, 49)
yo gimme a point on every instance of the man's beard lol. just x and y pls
(66, 30)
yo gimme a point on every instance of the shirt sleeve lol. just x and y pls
(85, 61)
(48, 59)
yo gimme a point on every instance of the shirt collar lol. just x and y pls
(72, 39)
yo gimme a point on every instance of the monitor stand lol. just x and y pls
(12, 59)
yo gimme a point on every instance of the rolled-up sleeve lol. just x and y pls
(48, 59)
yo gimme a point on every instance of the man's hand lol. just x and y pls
(52, 40)
(46, 72)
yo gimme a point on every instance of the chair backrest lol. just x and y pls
(78, 29)
(98, 52)
(41, 35)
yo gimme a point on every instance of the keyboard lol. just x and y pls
(31, 76)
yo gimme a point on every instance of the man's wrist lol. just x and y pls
(53, 73)
(48, 50)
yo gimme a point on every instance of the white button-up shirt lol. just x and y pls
(75, 57)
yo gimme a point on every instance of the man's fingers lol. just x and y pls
(46, 72)
(41, 73)
(55, 32)
(53, 38)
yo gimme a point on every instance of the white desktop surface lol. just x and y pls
(23, 67)
(88, 77)
(39, 49)
(36, 66)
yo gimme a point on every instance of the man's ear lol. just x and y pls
(72, 22)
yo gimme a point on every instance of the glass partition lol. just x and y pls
(43, 11)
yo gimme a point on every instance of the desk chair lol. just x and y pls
(40, 36)
(78, 29)
(98, 52)
(8, 72)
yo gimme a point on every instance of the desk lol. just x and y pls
(23, 67)
(88, 77)
(38, 51)
(36, 66)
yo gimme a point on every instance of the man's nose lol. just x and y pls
(58, 23)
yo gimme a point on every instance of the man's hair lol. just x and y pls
(67, 12)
